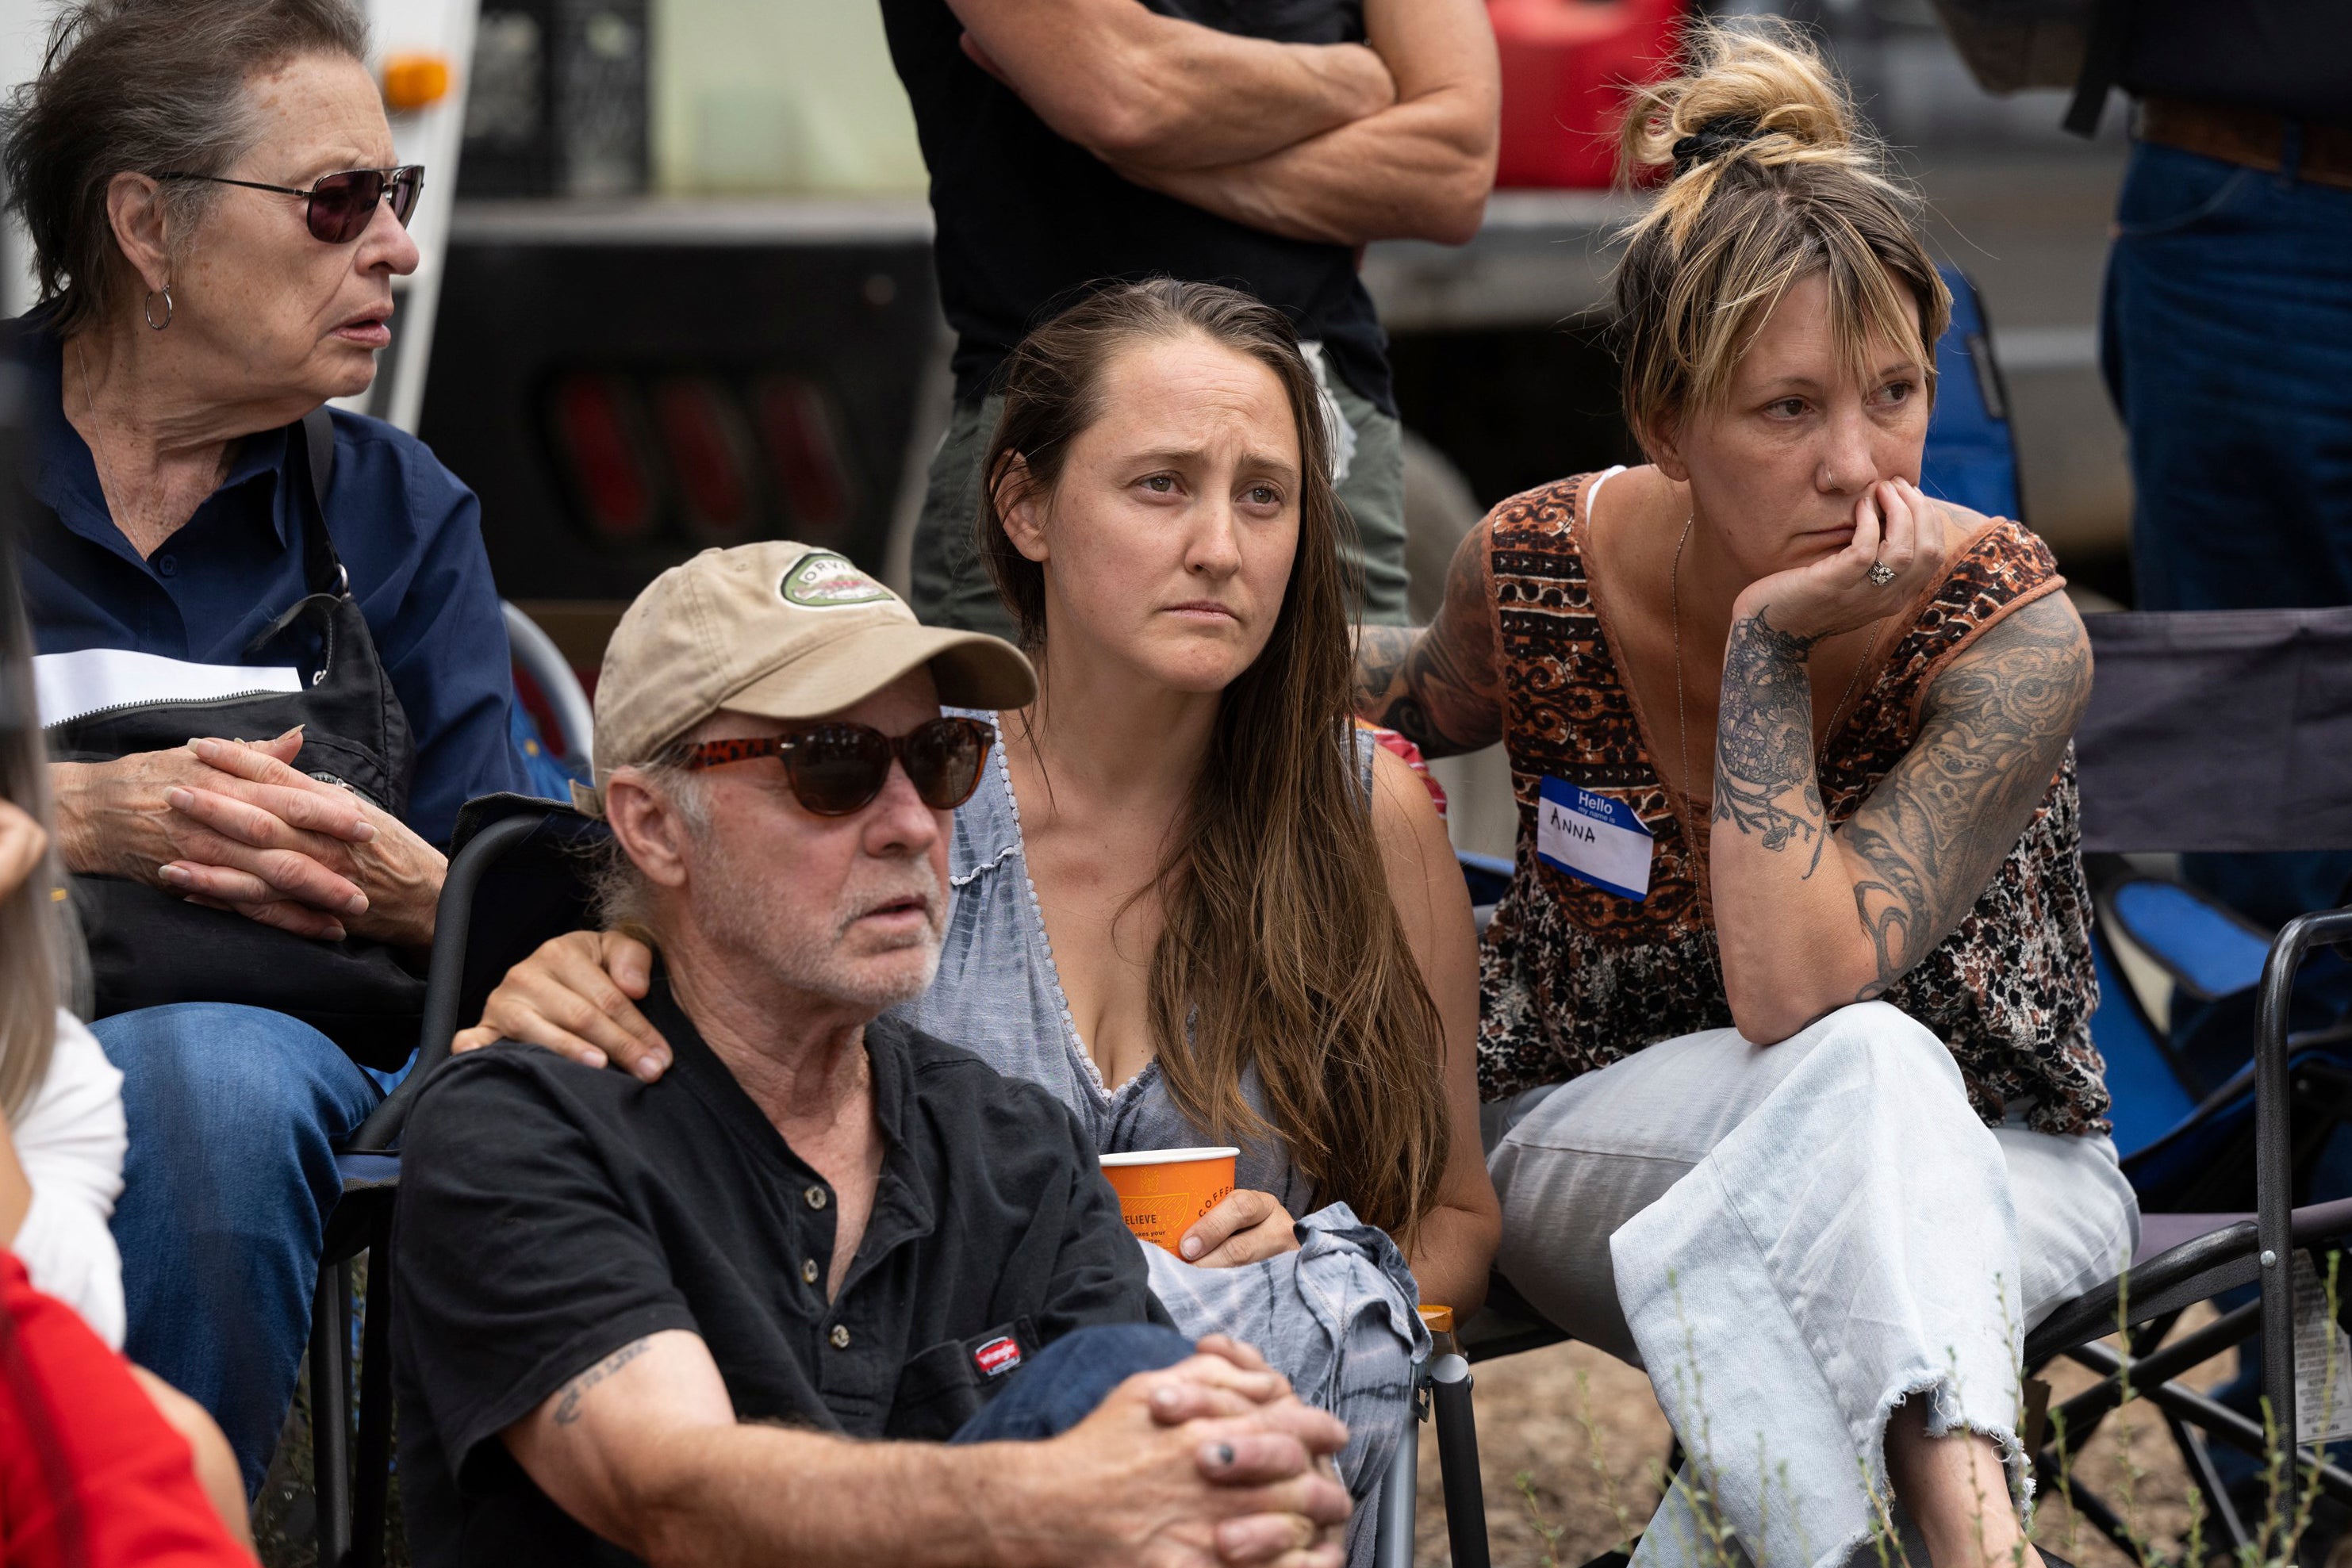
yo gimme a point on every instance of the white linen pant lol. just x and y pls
(1793, 1240)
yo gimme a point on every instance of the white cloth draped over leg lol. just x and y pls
(1794, 1240)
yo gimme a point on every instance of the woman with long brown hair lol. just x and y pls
(1786, 1011)
(1188, 899)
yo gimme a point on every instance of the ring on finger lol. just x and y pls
(1880, 573)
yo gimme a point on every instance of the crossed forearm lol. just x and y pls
(1421, 170)
(1417, 169)
(1156, 91)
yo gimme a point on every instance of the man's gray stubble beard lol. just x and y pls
(755, 917)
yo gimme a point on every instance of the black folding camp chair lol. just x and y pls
(2227, 731)
(519, 856)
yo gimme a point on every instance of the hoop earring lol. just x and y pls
(147, 310)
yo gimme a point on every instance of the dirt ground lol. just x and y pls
(1549, 1499)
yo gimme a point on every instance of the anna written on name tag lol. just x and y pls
(1593, 839)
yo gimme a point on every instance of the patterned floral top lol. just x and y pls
(1573, 979)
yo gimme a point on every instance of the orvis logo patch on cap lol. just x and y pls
(823, 580)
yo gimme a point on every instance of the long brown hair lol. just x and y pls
(1282, 950)
(1774, 178)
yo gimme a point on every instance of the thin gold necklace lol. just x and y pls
(1674, 619)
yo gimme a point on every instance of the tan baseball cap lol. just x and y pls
(779, 630)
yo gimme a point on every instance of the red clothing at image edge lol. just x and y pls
(91, 1476)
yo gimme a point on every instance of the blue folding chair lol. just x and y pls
(550, 762)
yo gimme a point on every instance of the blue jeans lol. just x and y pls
(1063, 1382)
(2226, 341)
(233, 1115)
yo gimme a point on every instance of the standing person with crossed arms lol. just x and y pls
(1072, 142)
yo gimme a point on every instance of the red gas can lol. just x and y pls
(1566, 66)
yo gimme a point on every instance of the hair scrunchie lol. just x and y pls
(1713, 139)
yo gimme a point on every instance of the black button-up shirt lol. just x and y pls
(551, 1214)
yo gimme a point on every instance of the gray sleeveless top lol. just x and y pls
(999, 996)
(1335, 1316)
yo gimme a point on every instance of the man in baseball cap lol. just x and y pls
(774, 630)
(666, 1312)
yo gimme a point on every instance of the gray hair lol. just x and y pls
(621, 894)
(144, 87)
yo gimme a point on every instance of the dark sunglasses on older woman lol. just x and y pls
(837, 768)
(341, 206)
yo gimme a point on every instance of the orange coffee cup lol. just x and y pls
(1161, 1192)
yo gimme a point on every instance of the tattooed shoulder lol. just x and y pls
(1440, 687)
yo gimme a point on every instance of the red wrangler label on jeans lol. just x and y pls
(998, 1356)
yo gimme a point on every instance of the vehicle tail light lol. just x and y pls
(709, 447)
(597, 428)
(802, 441)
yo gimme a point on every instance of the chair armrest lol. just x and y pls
(444, 977)
(2274, 1151)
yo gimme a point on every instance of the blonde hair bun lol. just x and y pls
(1758, 92)
(1775, 177)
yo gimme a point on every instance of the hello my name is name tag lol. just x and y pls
(1593, 839)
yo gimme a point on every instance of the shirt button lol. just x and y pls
(814, 1196)
(840, 1336)
(167, 566)
(808, 1272)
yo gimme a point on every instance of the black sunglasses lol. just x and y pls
(835, 768)
(341, 206)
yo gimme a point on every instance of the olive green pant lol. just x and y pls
(950, 586)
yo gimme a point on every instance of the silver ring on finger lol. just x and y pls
(1880, 573)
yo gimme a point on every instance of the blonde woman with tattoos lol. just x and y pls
(1785, 1027)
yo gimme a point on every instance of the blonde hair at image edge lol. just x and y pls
(42, 961)
(1808, 192)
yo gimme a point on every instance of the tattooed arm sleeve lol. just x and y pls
(1809, 921)
(1440, 685)
(1993, 732)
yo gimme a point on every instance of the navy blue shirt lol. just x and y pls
(409, 533)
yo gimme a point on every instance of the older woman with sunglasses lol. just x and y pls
(216, 221)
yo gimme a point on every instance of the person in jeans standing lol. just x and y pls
(1072, 142)
(2226, 337)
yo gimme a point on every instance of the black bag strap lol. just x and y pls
(2103, 62)
(321, 565)
(318, 444)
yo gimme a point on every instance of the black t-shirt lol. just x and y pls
(2290, 57)
(1026, 219)
(551, 1212)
